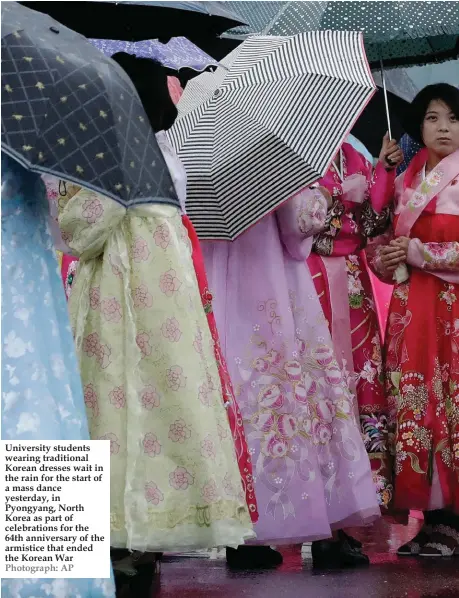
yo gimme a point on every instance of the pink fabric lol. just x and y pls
(347, 299)
(382, 293)
(419, 195)
(436, 194)
(175, 89)
(308, 480)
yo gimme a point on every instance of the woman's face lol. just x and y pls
(440, 129)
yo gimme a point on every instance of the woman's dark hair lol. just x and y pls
(448, 94)
(150, 80)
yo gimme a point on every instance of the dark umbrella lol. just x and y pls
(135, 21)
(399, 33)
(372, 124)
(69, 111)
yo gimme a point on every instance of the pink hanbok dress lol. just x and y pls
(311, 471)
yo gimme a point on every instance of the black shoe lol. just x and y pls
(353, 543)
(327, 554)
(253, 557)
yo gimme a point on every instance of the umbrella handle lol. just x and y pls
(386, 100)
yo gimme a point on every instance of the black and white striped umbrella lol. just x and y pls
(252, 134)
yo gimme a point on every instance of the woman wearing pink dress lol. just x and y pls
(311, 471)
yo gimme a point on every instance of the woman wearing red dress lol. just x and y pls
(422, 337)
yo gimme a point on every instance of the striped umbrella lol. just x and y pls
(253, 134)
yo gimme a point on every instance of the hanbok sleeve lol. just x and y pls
(376, 210)
(299, 219)
(434, 257)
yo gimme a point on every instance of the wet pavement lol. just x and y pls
(388, 576)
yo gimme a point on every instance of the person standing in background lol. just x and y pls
(422, 345)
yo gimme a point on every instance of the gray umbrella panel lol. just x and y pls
(69, 111)
(401, 33)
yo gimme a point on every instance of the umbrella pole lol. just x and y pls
(386, 100)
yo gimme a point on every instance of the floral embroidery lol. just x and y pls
(93, 210)
(94, 348)
(94, 297)
(153, 494)
(171, 330)
(374, 428)
(140, 250)
(169, 283)
(310, 214)
(142, 298)
(111, 310)
(208, 448)
(150, 397)
(175, 378)
(355, 287)
(401, 292)
(197, 344)
(151, 445)
(114, 443)
(91, 398)
(441, 256)
(162, 236)
(207, 301)
(210, 492)
(143, 342)
(179, 431)
(384, 490)
(205, 394)
(180, 479)
(118, 397)
(448, 296)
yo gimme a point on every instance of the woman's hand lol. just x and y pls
(392, 255)
(401, 243)
(391, 155)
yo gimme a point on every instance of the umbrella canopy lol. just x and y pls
(372, 126)
(177, 54)
(407, 82)
(410, 148)
(252, 136)
(401, 33)
(134, 21)
(69, 111)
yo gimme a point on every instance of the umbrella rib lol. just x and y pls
(276, 18)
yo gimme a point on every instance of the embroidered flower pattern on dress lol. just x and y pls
(151, 445)
(169, 283)
(150, 397)
(180, 478)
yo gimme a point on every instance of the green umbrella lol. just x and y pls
(395, 33)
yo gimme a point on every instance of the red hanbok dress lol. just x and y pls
(422, 343)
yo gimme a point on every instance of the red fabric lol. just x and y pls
(234, 415)
(422, 363)
(68, 266)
